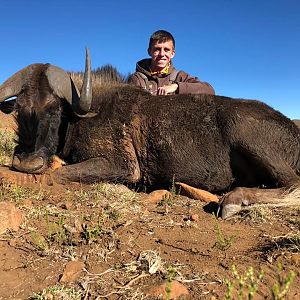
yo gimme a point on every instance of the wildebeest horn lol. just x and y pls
(86, 90)
(64, 87)
(13, 85)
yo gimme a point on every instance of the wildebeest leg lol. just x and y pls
(272, 168)
(96, 170)
(232, 202)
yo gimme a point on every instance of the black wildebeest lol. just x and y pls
(117, 132)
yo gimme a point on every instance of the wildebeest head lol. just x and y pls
(42, 90)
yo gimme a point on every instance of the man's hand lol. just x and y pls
(167, 89)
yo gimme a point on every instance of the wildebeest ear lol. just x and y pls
(8, 106)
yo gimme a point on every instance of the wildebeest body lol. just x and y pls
(211, 142)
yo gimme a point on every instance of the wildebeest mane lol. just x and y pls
(105, 76)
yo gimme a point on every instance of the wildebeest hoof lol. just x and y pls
(229, 210)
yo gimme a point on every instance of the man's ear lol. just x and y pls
(173, 54)
(149, 52)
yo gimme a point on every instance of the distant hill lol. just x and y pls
(297, 122)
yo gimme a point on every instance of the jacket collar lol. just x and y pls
(143, 66)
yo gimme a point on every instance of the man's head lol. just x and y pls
(161, 49)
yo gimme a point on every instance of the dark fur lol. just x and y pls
(210, 142)
(38, 115)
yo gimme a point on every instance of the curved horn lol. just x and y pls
(13, 85)
(64, 87)
(86, 90)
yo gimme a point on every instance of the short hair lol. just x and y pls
(161, 36)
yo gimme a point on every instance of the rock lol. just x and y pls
(27, 203)
(157, 196)
(177, 290)
(56, 163)
(194, 218)
(13, 243)
(197, 194)
(72, 271)
(295, 259)
(10, 217)
(78, 225)
(67, 205)
(48, 296)
(22, 179)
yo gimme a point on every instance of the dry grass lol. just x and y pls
(7, 146)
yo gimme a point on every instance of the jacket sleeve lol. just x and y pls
(192, 85)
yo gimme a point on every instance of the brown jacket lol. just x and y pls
(186, 83)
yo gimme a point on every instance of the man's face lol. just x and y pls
(161, 54)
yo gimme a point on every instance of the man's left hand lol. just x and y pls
(167, 89)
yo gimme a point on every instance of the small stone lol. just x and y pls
(177, 290)
(10, 217)
(72, 271)
(70, 229)
(49, 296)
(67, 205)
(194, 218)
(27, 203)
(78, 225)
(13, 243)
(56, 163)
(295, 258)
(157, 196)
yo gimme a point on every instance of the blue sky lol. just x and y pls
(245, 49)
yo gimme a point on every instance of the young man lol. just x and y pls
(158, 75)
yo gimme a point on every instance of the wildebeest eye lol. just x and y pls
(8, 106)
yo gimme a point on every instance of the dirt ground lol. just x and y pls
(126, 244)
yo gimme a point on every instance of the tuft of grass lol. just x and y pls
(281, 288)
(7, 146)
(56, 230)
(243, 286)
(257, 214)
(247, 285)
(292, 243)
(223, 242)
(90, 234)
(108, 190)
(38, 241)
(167, 200)
(289, 242)
(171, 273)
(18, 193)
(173, 189)
(92, 231)
(58, 292)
